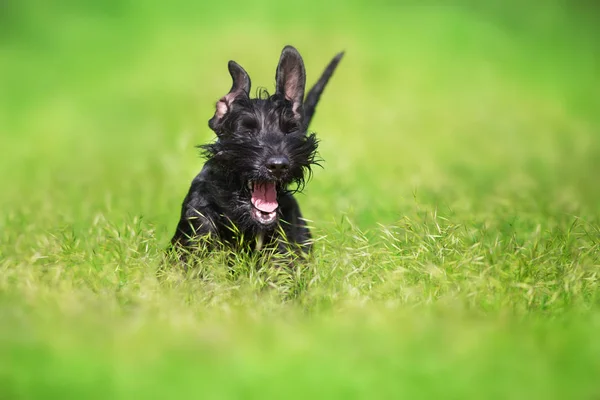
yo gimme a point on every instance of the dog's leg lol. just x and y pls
(191, 230)
(196, 230)
(294, 226)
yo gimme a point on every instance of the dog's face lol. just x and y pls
(262, 145)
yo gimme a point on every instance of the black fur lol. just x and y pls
(259, 140)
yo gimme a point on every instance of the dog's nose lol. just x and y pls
(278, 165)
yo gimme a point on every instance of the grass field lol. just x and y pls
(457, 213)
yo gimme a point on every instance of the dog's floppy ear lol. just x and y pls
(240, 88)
(291, 79)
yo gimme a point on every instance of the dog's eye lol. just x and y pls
(289, 126)
(249, 124)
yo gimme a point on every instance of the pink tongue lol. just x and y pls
(264, 197)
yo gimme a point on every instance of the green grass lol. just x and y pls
(457, 213)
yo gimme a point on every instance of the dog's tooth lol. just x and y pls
(250, 185)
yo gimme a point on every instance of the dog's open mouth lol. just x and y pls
(264, 201)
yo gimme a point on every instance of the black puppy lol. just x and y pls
(242, 196)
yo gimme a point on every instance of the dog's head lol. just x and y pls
(262, 143)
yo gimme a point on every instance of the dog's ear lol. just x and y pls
(291, 79)
(240, 88)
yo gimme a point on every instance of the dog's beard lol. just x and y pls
(258, 201)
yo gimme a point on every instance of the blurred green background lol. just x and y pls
(456, 213)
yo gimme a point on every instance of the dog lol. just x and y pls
(262, 155)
